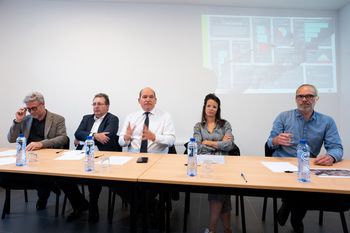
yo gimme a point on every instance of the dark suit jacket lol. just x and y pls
(109, 124)
(55, 130)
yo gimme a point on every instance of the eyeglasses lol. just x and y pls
(32, 109)
(98, 104)
(307, 97)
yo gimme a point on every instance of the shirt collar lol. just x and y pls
(152, 112)
(313, 116)
(101, 118)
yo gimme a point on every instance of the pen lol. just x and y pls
(288, 171)
(59, 151)
(98, 156)
(242, 175)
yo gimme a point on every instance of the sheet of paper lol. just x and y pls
(7, 160)
(71, 155)
(7, 153)
(280, 166)
(218, 159)
(119, 160)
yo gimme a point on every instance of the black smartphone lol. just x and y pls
(142, 160)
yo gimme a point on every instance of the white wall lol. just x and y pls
(70, 51)
(344, 54)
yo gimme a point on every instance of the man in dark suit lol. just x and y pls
(43, 129)
(103, 126)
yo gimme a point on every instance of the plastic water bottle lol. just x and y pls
(89, 154)
(192, 150)
(21, 143)
(303, 153)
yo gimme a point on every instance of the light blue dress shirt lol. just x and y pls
(319, 129)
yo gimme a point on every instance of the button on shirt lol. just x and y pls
(96, 125)
(319, 129)
(160, 124)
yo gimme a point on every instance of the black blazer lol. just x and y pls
(109, 124)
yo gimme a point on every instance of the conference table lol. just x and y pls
(166, 172)
(48, 168)
(169, 173)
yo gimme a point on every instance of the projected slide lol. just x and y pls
(252, 54)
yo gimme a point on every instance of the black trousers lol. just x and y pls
(43, 188)
(74, 196)
(300, 204)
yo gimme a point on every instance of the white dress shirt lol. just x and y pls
(96, 125)
(160, 124)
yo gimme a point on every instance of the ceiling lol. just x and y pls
(285, 4)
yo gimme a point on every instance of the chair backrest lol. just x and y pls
(185, 145)
(268, 150)
(172, 150)
(233, 152)
(66, 146)
(119, 148)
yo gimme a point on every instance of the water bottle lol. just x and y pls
(21, 143)
(192, 150)
(89, 154)
(303, 153)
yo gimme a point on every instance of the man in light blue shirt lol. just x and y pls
(304, 123)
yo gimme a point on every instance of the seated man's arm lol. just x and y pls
(57, 136)
(125, 135)
(109, 133)
(14, 132)
(81, 133)
(167, 136)
(277, 128)
(333, 146)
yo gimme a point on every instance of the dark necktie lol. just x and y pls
(144, 143)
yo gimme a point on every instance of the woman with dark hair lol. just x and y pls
(214, 136)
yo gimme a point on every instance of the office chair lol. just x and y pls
(18, 185)
(234, 152)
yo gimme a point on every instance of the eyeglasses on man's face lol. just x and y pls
(98, 104)
(307, 97)
(32, 109)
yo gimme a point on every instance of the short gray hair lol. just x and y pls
(308, 85)
(34, 96)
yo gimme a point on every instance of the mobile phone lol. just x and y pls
(142, 160)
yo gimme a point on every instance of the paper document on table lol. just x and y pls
(71, 155)
(119, 160)
(280, 166)
(7, 160)
(218, 159)
(331, 172)
(7, 153)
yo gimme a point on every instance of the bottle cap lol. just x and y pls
(21, 135)
(89, 138)
(192, 139)
(303, 141)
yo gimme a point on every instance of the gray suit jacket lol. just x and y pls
(55, 130)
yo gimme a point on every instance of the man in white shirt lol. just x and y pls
(160, 132)
(147, 131)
